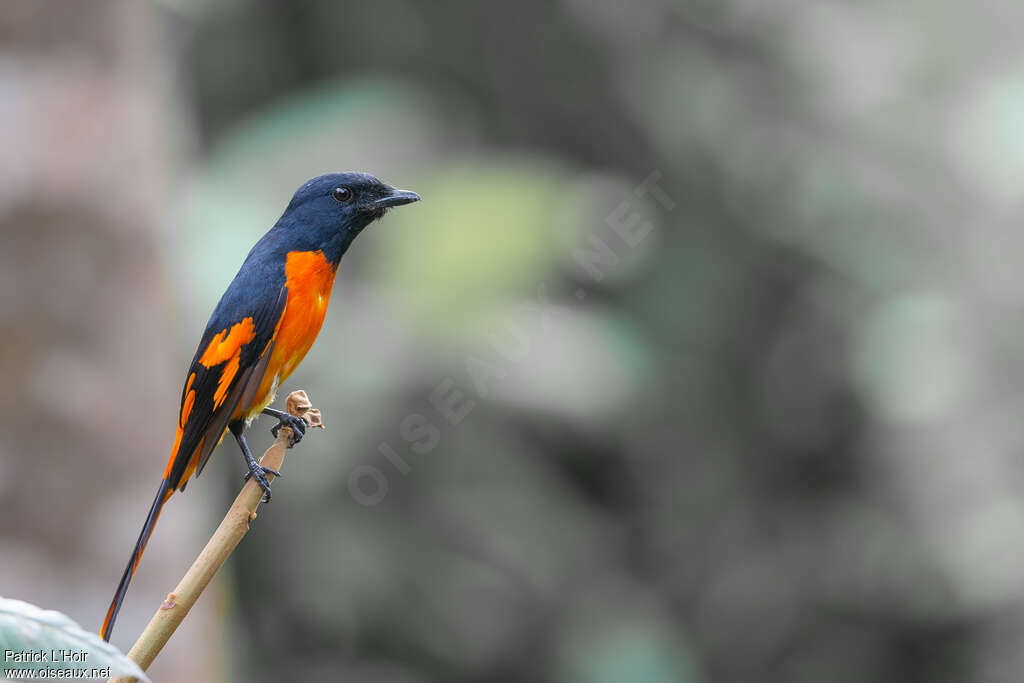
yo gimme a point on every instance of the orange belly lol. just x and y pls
(309, 277)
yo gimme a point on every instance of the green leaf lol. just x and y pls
(45, 639)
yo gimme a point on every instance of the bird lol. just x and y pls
(259, 332)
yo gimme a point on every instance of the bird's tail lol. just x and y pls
(162, 494)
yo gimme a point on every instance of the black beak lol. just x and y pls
(396, 198)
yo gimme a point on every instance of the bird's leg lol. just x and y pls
(297, 424)
(255, 469)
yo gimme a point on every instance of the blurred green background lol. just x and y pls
(726, 295)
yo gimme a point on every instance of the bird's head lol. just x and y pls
(332, 209)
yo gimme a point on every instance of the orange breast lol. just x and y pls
(309, 277)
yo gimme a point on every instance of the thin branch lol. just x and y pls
(231, 530)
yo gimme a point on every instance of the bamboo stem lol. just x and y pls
(231, 530)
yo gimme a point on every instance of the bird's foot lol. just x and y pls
(296, 424)
(248, 475)
(260, 473)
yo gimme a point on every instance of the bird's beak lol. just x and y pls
(396, 198)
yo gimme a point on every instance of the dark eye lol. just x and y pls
(342, 194)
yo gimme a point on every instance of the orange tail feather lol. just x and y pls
(162, 494)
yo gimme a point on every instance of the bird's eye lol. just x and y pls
(342, 194)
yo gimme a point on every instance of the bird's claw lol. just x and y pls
(248, 475)
(259, 473)
(296, 424)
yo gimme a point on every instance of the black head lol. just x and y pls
(328, 211)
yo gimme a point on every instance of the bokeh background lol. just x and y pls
(701, 359)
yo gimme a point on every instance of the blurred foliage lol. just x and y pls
(735, 450)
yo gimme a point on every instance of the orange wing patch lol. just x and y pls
(224, 381)
(186, 410)
(190, 399)
(225, 344)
